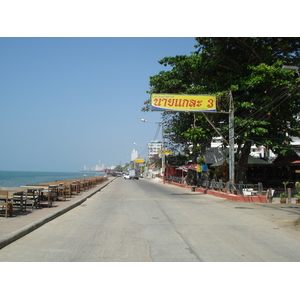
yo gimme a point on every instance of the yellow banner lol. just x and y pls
(167, 152)
(140, 160)
(205, 103)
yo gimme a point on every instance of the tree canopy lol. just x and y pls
(266, 97)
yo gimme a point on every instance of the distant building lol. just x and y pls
(134, 155)
(96, 168)
(153, 149)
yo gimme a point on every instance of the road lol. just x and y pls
(141, 221)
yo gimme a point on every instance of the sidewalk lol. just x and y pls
(233, 197)
(13, 228)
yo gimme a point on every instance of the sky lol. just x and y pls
(74, 76)
(68, 102)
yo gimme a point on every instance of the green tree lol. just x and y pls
(266, 97)
(187, 131)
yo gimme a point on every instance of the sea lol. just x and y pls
(19, 178)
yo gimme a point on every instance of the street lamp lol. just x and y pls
(293, 68)
(163, 158)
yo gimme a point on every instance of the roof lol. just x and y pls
(251, 161)
(293, 159)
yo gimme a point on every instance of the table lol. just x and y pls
(50, 188)
(48, 195)
(76, 187)
(16, 196)
(61, 192)
(33, 193)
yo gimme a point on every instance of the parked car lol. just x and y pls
(126, 176)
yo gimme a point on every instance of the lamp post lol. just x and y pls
(163, 157)
(293, 68)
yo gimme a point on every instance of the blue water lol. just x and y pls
(18, 178)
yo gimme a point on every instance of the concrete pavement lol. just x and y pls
(20, 224)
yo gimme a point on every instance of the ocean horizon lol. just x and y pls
(19, 178)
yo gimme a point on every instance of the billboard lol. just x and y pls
(167, 152)
(176, 102)
(140, 160)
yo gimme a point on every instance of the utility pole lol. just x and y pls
(231, 140)
(163, 157)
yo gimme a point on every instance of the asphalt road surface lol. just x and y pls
(141, 221)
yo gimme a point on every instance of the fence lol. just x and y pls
(175, 179)
(237, 188)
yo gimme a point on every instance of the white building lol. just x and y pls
(93, 169)
(153, 149)
(217, 152)
(134, 155)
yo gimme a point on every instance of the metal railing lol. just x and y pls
(175, 179)
(237, 188)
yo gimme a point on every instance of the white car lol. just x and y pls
(126, 176)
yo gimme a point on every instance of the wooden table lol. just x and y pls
(33, 193)
(16, 196)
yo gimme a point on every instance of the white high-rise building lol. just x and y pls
(153, 148)
(134, 155)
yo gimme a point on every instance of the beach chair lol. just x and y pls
(5, 204)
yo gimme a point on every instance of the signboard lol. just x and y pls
(167, 152)
(140, 160)
(176, 102)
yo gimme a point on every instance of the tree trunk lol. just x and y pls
(195, 153)
(243, 162)
(203, 153)
(194, 160)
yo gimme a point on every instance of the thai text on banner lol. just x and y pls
(183, 102)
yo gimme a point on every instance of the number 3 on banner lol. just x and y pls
(210, 103)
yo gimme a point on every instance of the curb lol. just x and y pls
(13, 236)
